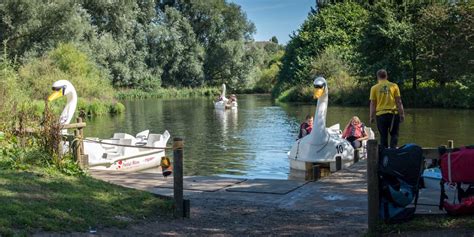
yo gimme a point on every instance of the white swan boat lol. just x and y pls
(323, 144)
(122, 152)
(224, 102)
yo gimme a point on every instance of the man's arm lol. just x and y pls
(372, 111)
(401, 111)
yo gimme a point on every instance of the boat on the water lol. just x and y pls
(323, 144)
(122, 152)
(223, 102)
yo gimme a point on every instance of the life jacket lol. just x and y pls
(357, 131)
(399, 175)
(307, 127)
(457, 168)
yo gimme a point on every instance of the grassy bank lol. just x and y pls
(429, 223)
(167, 93)
(450, 96)
(46, 200)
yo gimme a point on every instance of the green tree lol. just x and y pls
(274, 39)
(339, 26)
(446, 34)
(174, 48)
(385, 42)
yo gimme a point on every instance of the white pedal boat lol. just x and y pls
(107, 154)
(135, 155)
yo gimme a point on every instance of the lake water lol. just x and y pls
(252, 141)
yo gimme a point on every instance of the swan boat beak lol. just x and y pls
(55, 95)
(318, 92)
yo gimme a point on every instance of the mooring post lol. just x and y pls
(178, 146)
(373, 185)
(338, 163)
(76, 148)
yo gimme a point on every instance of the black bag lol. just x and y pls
(399, 179)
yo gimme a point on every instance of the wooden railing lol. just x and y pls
(431, 154)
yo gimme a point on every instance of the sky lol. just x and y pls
(276, 17)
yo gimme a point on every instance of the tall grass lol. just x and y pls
(167, 93)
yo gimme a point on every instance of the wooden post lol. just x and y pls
(178, 146)
(450, 144)
(77, 149)
(316, 172)
(81, 134)
(338, 163)
(373, 185)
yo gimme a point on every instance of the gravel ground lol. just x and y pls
(213, 217)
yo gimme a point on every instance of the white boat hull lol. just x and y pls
(123, 154)
(224, 105)
(133, 163)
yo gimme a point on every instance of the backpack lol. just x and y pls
(457, 169)
(399, 179)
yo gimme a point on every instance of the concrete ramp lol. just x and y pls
(267, 186)
(203, 183)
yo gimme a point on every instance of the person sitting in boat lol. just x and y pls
(306, 127)
(355, 132)
(233, 98)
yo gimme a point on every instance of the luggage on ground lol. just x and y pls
(399, 179)
(457, 169)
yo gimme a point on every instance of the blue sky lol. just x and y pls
(276, 17)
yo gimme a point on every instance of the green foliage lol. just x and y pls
(137, 44)
(175, 49)
(386, 43)
(424, 46)
(446, 34)
(65, 62)
(338, 26)
(168, 93)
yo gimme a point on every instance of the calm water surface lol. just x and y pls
(252, 141)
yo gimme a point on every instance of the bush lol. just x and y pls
(168, 93)
(65, 62)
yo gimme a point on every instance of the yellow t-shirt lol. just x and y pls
(384, 94)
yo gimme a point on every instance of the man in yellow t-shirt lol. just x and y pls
(387, 108)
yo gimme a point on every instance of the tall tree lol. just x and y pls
(447, 34)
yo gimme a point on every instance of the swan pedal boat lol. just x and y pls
(123, 152)
(224, 103)
(323, 145)
(135, 155)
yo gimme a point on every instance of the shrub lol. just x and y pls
(65, 62)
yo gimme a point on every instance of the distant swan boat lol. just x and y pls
(224, 102)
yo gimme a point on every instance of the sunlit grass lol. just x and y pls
(41, 200)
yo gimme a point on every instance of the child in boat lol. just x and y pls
(306, 127)
(355, 132)
(233, 98)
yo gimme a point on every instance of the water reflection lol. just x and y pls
(252, 141)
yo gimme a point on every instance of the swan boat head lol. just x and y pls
(320, 87)
(65, 88)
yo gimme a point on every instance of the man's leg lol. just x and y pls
(394, 131)
(383, 124)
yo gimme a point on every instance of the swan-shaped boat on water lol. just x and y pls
(223, 102)
(105, 154)
(323, 144)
